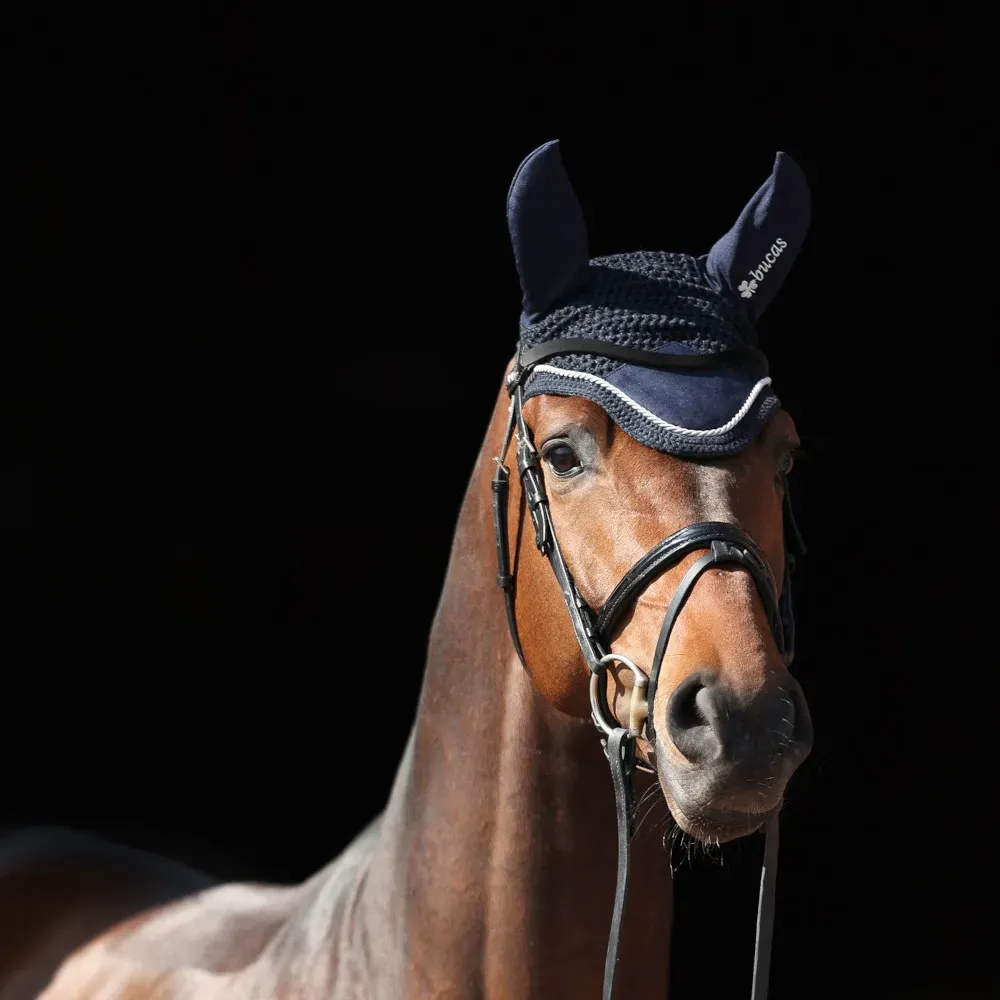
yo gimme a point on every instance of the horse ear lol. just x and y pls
(547, 231)
(753, 259)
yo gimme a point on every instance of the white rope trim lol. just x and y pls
(659, 421)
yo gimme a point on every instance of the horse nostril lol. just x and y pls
(690, 728)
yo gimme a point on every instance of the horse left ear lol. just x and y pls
(547, 231)
(752, 260)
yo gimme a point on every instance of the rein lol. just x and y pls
(726, 545)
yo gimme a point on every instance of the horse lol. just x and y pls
(494, 866)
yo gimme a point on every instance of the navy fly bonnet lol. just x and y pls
(670, 303)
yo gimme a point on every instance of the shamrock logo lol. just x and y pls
(747, 288)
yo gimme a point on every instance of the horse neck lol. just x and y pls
(495, 870)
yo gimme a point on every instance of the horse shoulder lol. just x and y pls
(219, 930)
(95, 973)
(232, 942)
(188, 949)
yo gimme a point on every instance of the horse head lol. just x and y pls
(654, 458)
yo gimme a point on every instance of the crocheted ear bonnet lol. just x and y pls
(670, 303)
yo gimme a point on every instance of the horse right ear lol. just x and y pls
(752, 260)
(547, 231)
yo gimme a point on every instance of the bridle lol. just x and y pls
(727, 545)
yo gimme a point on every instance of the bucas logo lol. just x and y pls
(749, 285)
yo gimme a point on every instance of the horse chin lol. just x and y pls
(712, 824)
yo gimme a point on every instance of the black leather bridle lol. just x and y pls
(726, 545)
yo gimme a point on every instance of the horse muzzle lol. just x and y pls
(724, 760)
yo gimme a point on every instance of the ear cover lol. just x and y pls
(750, 263)
(547, 231)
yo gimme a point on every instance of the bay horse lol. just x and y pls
(494, 866)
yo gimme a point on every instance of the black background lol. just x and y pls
(265, 287)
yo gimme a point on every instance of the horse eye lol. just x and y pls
(786, 463)
(562, 459)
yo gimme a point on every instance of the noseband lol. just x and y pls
(726, 545)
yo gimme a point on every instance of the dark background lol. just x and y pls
(265, 285)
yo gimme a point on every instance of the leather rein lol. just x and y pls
(726, 545)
